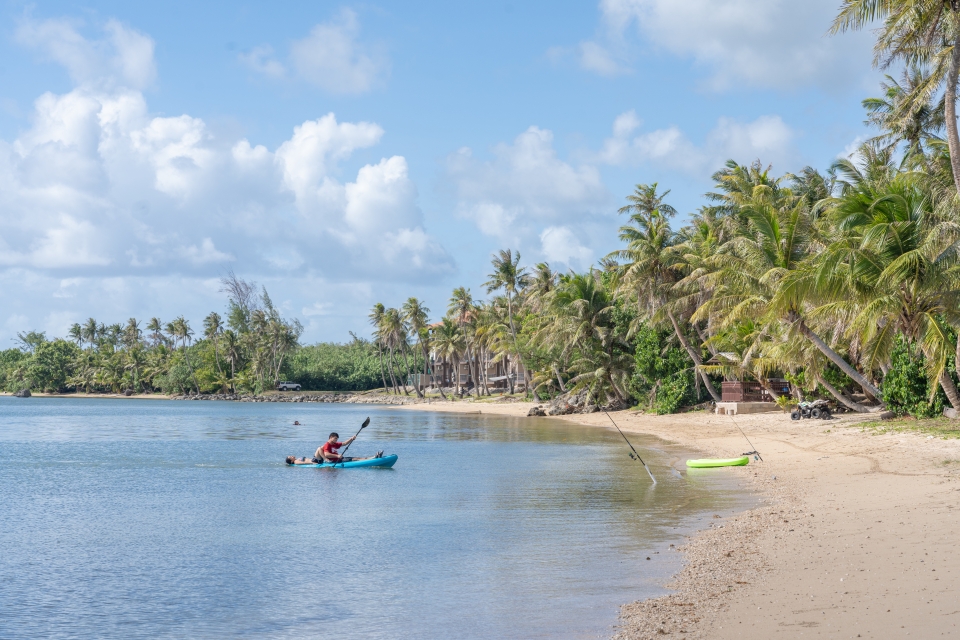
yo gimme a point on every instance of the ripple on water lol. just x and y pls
(171, 519)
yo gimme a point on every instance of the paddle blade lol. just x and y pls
(365, 423)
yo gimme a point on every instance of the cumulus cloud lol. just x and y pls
(525, 195)
(99, 185)
(331, 57)
(767, 137)
(524, 187)
(764, 43)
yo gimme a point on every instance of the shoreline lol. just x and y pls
(855, 533)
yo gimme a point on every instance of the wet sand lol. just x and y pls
(857, 534)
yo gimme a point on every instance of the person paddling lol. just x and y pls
(328, 451)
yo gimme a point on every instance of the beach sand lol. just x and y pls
(857, 535)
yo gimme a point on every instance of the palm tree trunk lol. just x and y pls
(393, 379)
(382, 374)
(506, 371)
(556, 372)
(695, 356)
(703, 339)
(835, 358)
(847, 402)
(950, 106)
(476, 372)
(950, 389)
(406, 364)
(216, 355)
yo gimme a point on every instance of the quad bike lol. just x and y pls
(818, 409)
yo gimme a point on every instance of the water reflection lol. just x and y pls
(174, 519)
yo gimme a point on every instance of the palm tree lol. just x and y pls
(916, 32)
(155, 327)
(183, 332)
(396, 332)
(508, 276)
(376, 318)
(902, 118)
(76, 334)
(231, 351)
(652, 266)
(212, 330)
(415, 315)
(896, 260)
(132, 333)
(449, 344)
(89, 331)
(461, 308)
(134, 361)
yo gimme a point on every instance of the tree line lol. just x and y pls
(845, 281)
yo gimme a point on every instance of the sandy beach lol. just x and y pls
(856, 535)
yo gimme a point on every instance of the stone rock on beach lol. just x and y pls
(23, 393)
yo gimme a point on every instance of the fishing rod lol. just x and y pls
(748, 453)
(634, 454)
(344, 452)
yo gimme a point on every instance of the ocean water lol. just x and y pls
(162, 519)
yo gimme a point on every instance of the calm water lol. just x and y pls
(179, 519)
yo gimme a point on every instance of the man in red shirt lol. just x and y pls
(328, 452)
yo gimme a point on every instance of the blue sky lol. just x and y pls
(345, 154)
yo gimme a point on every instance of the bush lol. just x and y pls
(906, 388)
(669, 365)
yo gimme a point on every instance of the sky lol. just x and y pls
(347, 154)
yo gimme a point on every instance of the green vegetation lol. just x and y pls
(846, 282)
(249, 352)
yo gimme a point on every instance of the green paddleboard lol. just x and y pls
(707, 463)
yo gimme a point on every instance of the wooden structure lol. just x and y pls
(750, 391)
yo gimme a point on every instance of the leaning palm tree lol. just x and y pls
(916, 32)
(896, 262)
(507, 275)
(650, 267)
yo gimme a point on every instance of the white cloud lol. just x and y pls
(261, 60)
(205, 253)
(767, 138)
(98, 186)
(123, 57)
(596, 58)
(526, 188)
(766, 43)
(331, 57)
(560, 244)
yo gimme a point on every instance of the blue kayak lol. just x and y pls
(385, 462)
